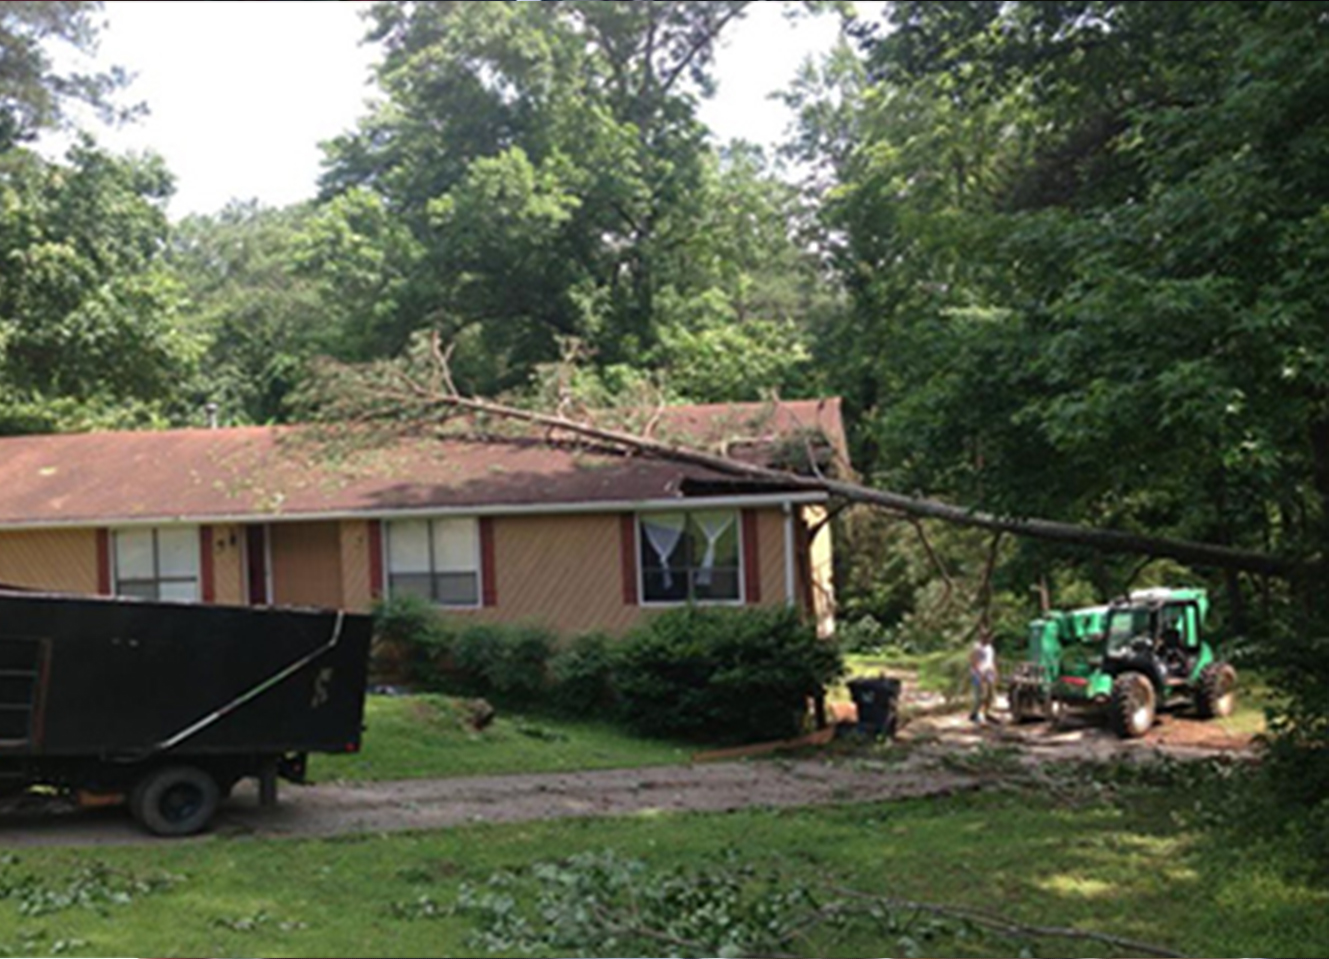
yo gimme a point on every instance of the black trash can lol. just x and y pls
(877, 701)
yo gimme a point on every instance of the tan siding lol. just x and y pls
(306, 564)
(58, 560)
(823, 571)
(563, 572)
(560, 571)
(355, 586)
(228, 565)
(770, 542)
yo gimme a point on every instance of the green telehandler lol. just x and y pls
(1129, 659)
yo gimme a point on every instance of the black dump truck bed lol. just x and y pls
(98, 693)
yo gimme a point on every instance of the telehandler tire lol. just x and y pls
(1133, 705)
(1216, 691)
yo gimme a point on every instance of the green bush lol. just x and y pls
(704, 674)
(411, 641)
(505, 662)
(581, 676)
(717, 674)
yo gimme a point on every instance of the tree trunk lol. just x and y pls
(1104, 540)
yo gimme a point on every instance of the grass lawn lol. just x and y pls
(422, 737)
(1130, 868)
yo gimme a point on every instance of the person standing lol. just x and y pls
(983, 676)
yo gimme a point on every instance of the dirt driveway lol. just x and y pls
(919, 768)
(339, 809)
(1081, 738)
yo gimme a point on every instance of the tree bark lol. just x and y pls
(1104, 540)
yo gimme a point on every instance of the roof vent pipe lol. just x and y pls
(212, 410)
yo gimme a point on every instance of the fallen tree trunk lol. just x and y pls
(1105, 540)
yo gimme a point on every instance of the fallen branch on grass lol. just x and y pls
(604, 904)
(1009, 927)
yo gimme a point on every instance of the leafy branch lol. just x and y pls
(606, 905)
(403, 392)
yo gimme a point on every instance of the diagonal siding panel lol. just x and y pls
(356, 578)
(770, 545)
(563, 572)
(59, 560)
(306, 564)
(228, 566)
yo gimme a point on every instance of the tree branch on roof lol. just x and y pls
(387, 392)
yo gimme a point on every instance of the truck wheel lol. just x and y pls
(1132, 706)
(1216, 692)
(175, 800)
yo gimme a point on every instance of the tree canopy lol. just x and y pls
(88, 324)
(33, 92)
(548, 167)
(1081, 237)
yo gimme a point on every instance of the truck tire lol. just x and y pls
(175, 800)
(1133, 705)
(1216, 691)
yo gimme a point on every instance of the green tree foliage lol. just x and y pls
(87, 315)
(734, 326)
(33, 93)
(1085, 245)
(536, 172)
(1080, 235)
(257, 302)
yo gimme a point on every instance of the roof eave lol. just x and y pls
(754, 501)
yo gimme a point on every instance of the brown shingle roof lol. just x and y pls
(99, 478)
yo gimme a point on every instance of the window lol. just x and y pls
(691, 557)
(438, 559)
(161, 563)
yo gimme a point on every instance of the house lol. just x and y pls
(514, 528)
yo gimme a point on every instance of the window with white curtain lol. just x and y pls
(158, 563)
(437, 559)
(691, 557)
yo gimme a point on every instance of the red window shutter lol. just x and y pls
(751, 559)
(628, 557)
(376, 581)
(487, 565)
(104, 562)
(207, 564)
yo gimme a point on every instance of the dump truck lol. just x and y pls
(167, 706)
(1145, 652)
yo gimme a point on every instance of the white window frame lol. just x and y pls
(118, 579)
(477, 559)
(742, 571)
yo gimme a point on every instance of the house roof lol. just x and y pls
(287, 473)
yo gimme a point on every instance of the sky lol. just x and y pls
(241, 93)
